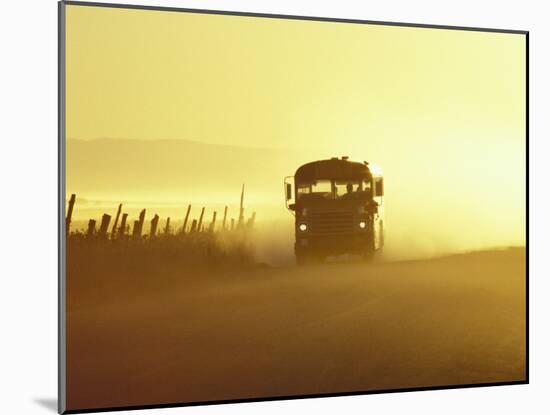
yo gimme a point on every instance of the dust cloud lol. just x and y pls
(189, 335)
(431, 208)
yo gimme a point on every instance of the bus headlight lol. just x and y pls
(362, 224)
(303, 227)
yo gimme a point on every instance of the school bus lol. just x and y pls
(338, 208)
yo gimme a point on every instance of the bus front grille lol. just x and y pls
(331, 222)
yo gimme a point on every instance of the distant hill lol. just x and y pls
(126, 166)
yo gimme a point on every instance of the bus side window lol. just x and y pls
(379, 187)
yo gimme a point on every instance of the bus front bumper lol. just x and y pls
(334, 244)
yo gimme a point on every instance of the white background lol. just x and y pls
(28, 195)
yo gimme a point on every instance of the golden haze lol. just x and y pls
(442, 111)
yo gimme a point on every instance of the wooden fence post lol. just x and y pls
(199, 225)
(91, 228)
(167, 227)
(135, 230)
(105, 219)
(232, 224)
(141, 221)
(213, 223)
(241, 209)
(224, 218)
(250, 223)
(186, 218)
(122, 229)
(113, 231)
(154, 224)
(69, 214)
(193, 225)
(138, 225)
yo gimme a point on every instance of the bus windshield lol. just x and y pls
(334, 189)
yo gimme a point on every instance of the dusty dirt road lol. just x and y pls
(277, 332)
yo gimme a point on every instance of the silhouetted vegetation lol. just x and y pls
(104, 262)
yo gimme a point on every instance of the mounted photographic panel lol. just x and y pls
(258, 207)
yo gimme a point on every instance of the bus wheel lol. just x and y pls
(301, 259)
(367, 256)
(308, 258)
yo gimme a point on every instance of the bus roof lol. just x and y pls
(333, 168)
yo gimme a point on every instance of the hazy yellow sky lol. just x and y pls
(250, 81)
(442, 111)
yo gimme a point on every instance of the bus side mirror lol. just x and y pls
(288, 191)
(379, 191)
